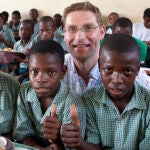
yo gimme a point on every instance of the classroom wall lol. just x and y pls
(128, 8)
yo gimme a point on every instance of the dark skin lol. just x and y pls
(25, 33)
(46, 30)
(2, 39)
(118, 75)
(45, 72)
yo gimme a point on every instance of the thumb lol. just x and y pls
(53, 111)
(74, 115)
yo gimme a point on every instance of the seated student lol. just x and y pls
(9, 88)
(141, 30)
(46, 29)
(26, 30)
(124, 25)
(118, 111)
(6, 36)
(34, 125)
(16, 16)
(57, 20)
(5, 17)
(112, 17)
(33, 13)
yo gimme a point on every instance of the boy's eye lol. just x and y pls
(52, 73)
(127, 71)
(34, 72)
(107, 70)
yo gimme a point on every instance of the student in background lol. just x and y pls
(16, 16)
(9, 88)
(5, 17)
(124, 25)
(20, 70)
(57, 20)
(141, 30)
(33, 13)
(36, 125)
(112, 17)
(46, 29)
(118, 111)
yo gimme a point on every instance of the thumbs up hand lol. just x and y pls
(71, 133)
(52, 125)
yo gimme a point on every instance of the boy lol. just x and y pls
(34, 125)
(26, 30)
(118, 112)
(9, 88)
(124, 25)
(141, 30)
(33, 13)
(46, 29)
(16, 16)
(112, 17)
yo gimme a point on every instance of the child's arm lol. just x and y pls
(71, 134)
(52, 126)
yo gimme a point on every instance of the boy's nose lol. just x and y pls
(117, 77)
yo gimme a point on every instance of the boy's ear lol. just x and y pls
(64, 70)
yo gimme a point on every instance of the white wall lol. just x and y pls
(128, 8)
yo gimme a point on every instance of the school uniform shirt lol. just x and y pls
(9, 88)
(75, 82)
(141, 32)
(29, 119)
(59, 37)
(19, 47)
(7, 35)
(129, 130)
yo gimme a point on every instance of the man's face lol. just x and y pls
(118, 73)
(45, 72)
(46, 30)
(81, 44)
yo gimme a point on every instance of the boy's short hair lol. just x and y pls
(83, 6)
(28, 21)
(50, 47)
(147, 13)
(47, 19)
(17, 13)
(120, 43)
(6, 14)
(123, 22)
(1, 16)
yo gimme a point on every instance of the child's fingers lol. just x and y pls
(53, 111)
(74, 115)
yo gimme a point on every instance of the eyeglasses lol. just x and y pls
(85, 29)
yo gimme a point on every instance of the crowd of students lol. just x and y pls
(99, 75)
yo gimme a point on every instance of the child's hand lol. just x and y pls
(52, 126)
(71, 133)
(27, 51)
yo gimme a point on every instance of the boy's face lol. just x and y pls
(118, 72)
(25, 31)
(46, 30)
(147, 22)
(15, 19)
(1, 23)
(33, 14)
(112, 18)
(45, 72)
(125, 30)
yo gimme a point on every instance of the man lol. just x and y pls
(83, 29)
